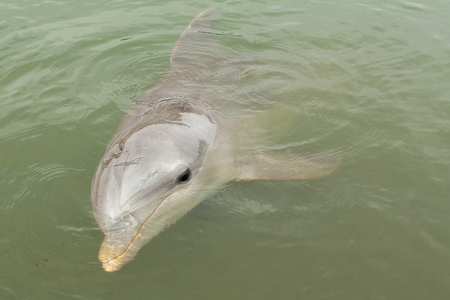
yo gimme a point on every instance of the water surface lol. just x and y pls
(367, 80)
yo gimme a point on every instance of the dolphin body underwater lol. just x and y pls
(173, 149)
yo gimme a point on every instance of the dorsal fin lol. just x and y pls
(196, 39)
(193, 62)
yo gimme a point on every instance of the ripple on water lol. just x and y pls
(29, 179)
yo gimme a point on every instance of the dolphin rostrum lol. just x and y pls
(174, 148)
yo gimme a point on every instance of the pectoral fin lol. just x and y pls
(279, 166)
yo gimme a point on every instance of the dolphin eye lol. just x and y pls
(185, 176)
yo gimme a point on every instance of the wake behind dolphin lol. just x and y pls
(174, 148)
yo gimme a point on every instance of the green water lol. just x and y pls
(367, 80)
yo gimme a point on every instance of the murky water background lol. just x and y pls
(368, 80)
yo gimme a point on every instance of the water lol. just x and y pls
(367, 80)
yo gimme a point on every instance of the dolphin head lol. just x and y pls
(149, 177)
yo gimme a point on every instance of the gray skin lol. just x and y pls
(173, 149)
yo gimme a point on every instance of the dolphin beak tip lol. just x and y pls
(111, 267)
(109, 264)
(112, 259)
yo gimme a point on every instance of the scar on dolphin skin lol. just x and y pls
(181, 149)
(126, 163)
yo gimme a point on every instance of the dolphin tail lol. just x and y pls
(279, 166)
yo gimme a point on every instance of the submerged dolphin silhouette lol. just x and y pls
(173, 149)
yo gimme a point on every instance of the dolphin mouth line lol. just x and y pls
(121, 254)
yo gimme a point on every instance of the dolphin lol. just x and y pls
(174, 148)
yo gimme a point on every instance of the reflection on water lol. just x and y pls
(366, 80)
